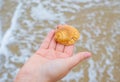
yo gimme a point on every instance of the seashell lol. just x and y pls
(66, 35)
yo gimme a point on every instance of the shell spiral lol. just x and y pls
(66, 35)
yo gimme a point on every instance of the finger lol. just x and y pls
(76, 59)
(60, 47)
(69, 50)
(59, 26)
(52, 44)
(47, 40)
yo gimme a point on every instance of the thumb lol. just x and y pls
(76, 59)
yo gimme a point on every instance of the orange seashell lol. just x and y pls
(66, 35)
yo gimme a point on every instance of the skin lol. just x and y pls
(51, 62)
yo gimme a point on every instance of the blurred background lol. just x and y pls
(25, 23)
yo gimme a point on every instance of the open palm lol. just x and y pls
(52, 61)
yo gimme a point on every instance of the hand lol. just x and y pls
(51, 62)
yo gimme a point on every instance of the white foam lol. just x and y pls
(97, 32)
(65, 7)
(110, 49)
(86, 33)
(108, 62)
(82, 1)
(28, 23)
(110, 73)
(1, 4)
(74, 75)
(4, 77)
(0, 31)
(6, 38)
(92, 73)
(41, 13)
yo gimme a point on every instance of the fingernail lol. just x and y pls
(87, 54)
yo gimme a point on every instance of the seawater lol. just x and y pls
(25, 23)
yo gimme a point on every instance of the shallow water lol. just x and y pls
(25, 23)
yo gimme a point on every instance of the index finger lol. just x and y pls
(47, 40)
